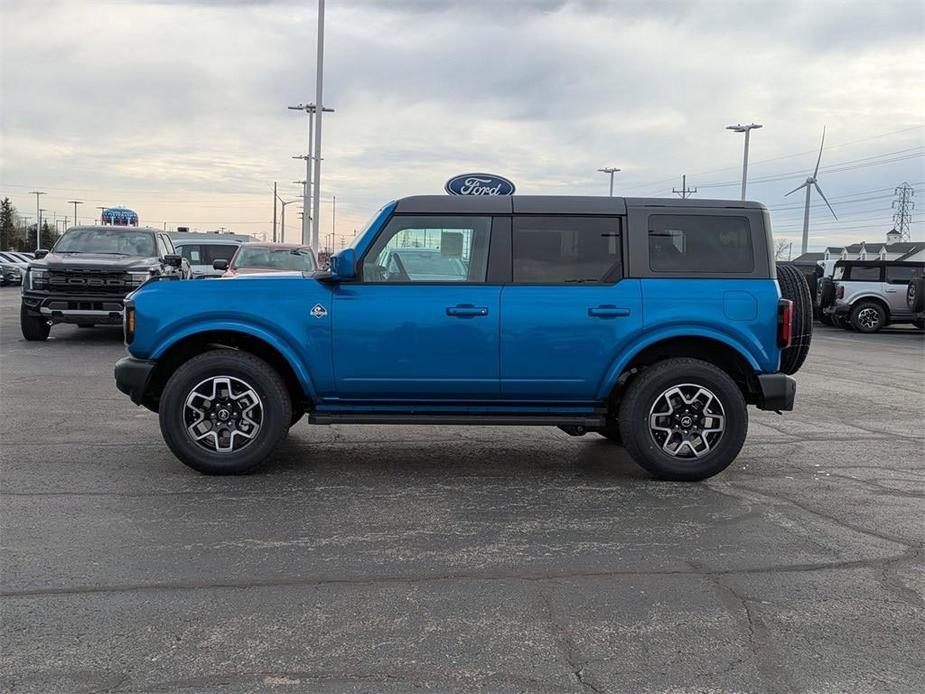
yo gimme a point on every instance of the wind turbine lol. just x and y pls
(809, 184)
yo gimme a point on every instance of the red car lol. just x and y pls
(253, 258)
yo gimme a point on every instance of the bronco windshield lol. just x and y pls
(108, 241)
(299, 259)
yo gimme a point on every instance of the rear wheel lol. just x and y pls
(223, 412)
(683, 419)
(793, 287)
(867, 317)
(34, 328)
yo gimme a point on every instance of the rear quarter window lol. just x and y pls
(700, 244)
(858, 273)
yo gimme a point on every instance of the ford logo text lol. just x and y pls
(479, 184)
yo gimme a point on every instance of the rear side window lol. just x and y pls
(859, 273)
(564, 250)
(901, 274)
(192, 253)
(700, 244)
(205, 254)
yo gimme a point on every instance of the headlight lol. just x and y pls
(136, 279)
(38, 279)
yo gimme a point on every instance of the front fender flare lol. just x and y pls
(649, 339)
(271, 337)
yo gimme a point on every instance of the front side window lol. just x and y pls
(902, 274)
(700, 244)
(162, 249)
(107, 241)
(859, 273)
(564, 250)
(430, 249)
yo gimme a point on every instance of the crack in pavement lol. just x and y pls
(875, 563)
(564, 640)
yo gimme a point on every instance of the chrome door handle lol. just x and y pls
(466, 311)
(607, 311)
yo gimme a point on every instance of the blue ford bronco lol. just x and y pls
(651, 322)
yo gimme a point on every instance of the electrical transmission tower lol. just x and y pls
(685, 192)
(903, 204)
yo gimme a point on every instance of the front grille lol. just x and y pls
(88, 282)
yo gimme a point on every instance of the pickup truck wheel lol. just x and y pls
(915, 295)
(683, 419)
(223, 412)
(867, 317)
(793, 287)
(34, 328)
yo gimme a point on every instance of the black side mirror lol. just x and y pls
(220, 264)
(174, 260)
(40, 253)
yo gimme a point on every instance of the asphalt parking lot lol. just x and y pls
(497, 559)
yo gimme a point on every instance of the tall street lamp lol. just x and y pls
(609, 170)
(75, 203)
(38, 218)
(739, 128)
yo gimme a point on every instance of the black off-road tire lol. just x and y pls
(915, 295)
(793, 287)
(919, 323)
(826, 292)
(34, 328)
(266, 383)
(867, 317)
(646, 389)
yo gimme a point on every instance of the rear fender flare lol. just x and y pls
(626, 356)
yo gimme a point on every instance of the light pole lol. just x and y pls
(282, 223)
(310, 109)
(319, 108)
(101, 208)
(38, 218)
(333, 221)
(75, 203)
(42, 221)
(609, 170)
(747, 129)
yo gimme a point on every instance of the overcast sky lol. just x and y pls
(178, 109)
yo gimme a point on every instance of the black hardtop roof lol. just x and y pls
(877, 263)
(552, 204)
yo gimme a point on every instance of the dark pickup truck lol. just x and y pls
(88, 273)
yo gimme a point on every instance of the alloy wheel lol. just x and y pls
(687, 421)
(223, 414)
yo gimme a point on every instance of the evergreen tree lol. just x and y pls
(49, 235)
(7, 224)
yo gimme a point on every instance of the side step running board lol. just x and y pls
(523, 420)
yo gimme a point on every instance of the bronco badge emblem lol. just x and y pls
(319, 311)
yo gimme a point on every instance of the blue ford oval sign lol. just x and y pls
(479, 184)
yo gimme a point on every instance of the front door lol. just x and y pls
(568, 313)
(420, 323)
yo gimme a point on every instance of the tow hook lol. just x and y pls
(574, 429)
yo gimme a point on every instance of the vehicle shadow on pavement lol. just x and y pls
(590, 458)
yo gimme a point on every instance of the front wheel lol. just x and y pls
(223, 412)
(34, 328)
(683, 419)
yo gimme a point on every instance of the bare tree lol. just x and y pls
(782, 248)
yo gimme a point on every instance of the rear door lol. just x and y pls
(568, 310)
(896, 282)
